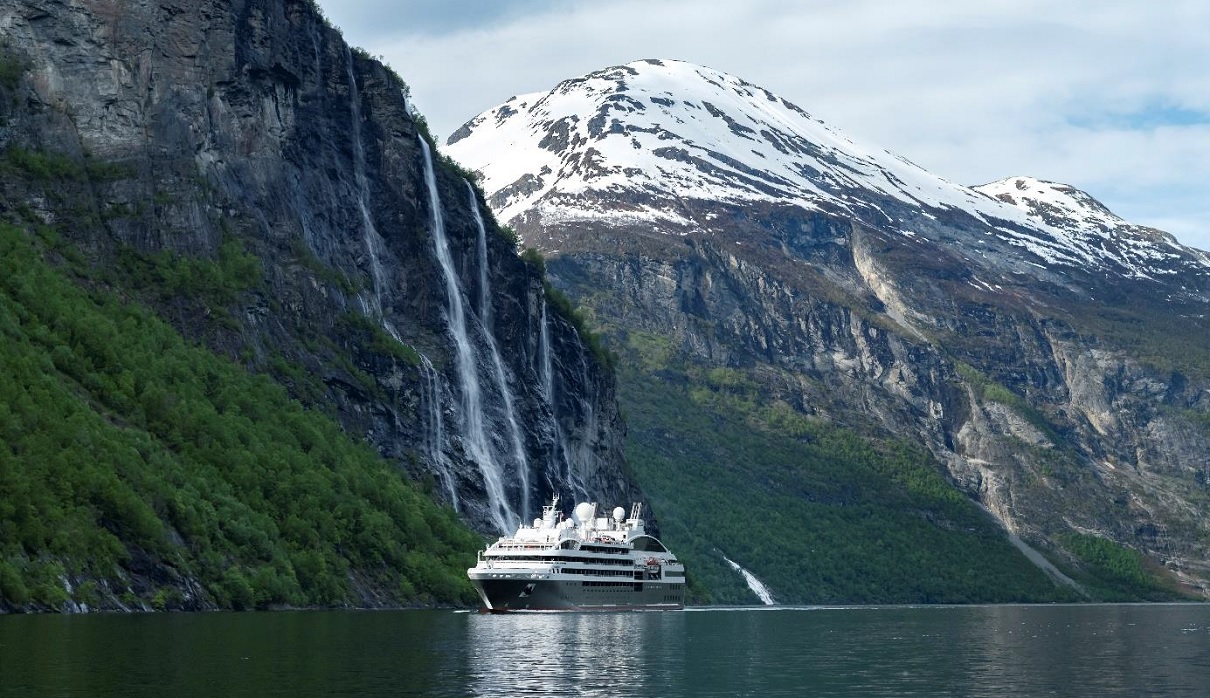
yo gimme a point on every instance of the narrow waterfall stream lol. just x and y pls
(560, 458)
(506, 393)
(474, 433)
(369, 233)
(546, 363)
(485, 298)
(758, 587)
(431, 401)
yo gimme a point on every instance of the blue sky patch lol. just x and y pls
(1148, 118)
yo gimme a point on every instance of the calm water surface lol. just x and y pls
(1144, 650)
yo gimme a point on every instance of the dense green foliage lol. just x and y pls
(134, 463)
(818, 513)
(365, 331)
(50, 166)
(215, 284)
(1116, 573)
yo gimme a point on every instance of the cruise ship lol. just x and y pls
(581, 563)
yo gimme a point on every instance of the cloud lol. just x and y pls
(1110, 96)
(368, 20)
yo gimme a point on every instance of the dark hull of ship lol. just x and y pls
(504, 595)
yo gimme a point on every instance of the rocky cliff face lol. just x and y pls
(385, 299)
(1050, 355)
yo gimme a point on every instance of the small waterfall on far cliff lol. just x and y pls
(485, 300)
(506, 393)
(369, 233)
(431, 401)
(474, 432)
(581, 462)
(758, 587)
(546, 365)
(560, 461)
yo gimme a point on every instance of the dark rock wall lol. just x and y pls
(252, 120)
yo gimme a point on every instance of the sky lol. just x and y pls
(1110, 96)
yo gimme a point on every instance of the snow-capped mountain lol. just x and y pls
(646, 142)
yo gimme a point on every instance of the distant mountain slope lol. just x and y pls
(1054, 359)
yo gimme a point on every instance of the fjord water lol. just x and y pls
(1131, 650)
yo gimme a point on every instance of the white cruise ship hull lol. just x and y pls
(501, 594)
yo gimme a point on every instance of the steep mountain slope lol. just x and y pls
(1051, 357)
(138, 471)
(234, 165)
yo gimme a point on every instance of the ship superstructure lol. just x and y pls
(582, 562)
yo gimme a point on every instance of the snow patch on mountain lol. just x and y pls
(1056, 204)
(677, 129)
(639, 143)
(1083, 223)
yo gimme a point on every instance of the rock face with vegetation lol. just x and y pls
(822, 345)
(228, 178)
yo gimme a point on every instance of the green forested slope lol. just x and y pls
(138, 469)
(818, 513)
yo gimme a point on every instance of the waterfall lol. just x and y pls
(585, 455)
(485, 301)
(560, 461)
(501, 380)
(474, 433)
(547, 365)
(319, 71)
(435, 424)
(758, 587)
(369, 234)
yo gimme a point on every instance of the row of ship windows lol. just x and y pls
(627, 585)
(607, 551)
(599, 573)
(579, 560)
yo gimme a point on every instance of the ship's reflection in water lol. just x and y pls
(590, 654)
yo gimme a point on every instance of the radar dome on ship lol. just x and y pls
(618, 514)
(583, 512)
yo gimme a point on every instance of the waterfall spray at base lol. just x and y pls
(474, 432)
(489, 338)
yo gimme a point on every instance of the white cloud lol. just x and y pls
(972, 91)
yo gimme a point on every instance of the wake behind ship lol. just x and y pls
(582, 563)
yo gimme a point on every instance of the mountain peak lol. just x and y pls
(669, 128)
(1059, 205)
(664, 144)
